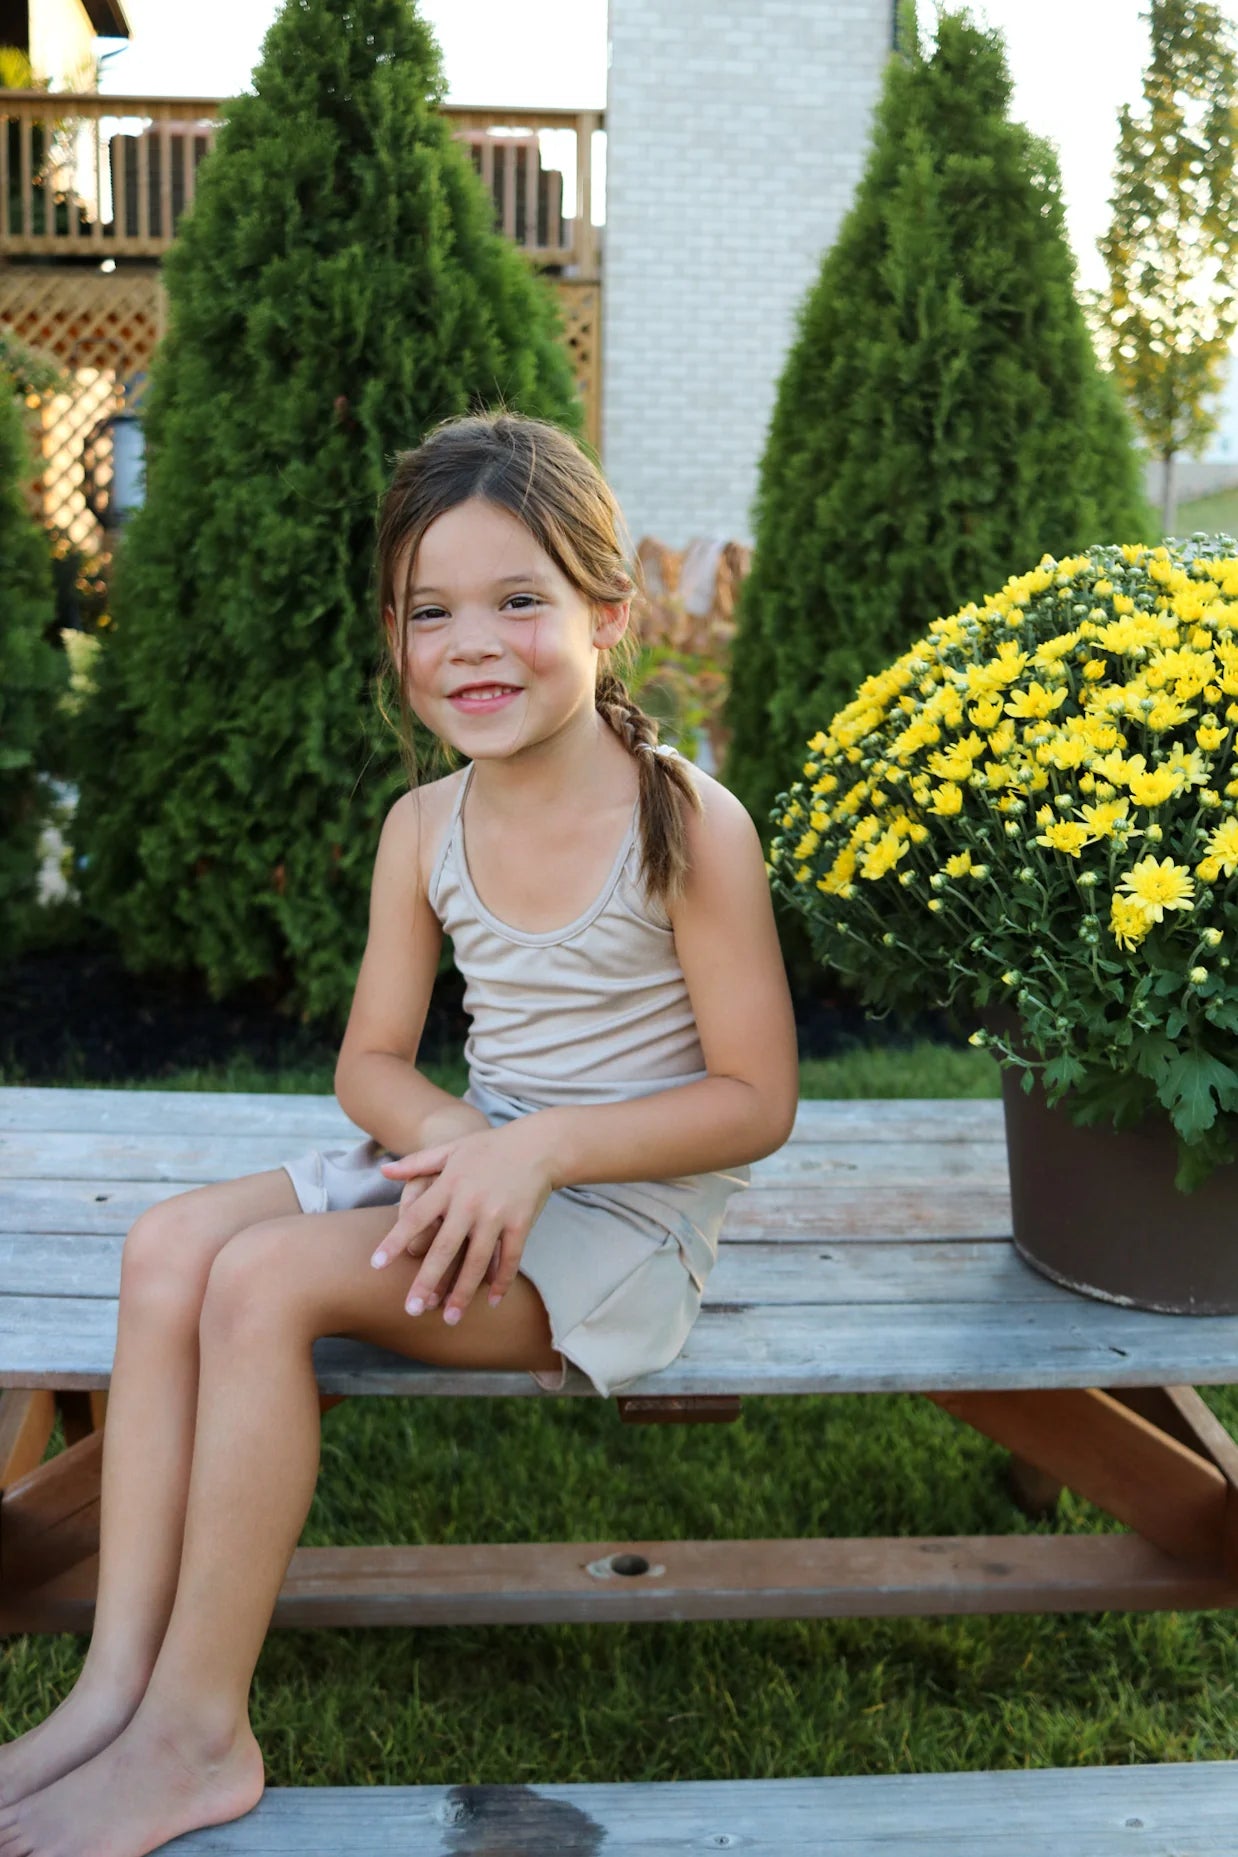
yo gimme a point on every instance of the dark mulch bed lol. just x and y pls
(76, 1013)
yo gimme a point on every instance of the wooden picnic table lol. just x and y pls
(871, 1254)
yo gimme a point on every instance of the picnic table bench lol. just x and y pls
(872, 1253)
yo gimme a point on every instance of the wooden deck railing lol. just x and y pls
(95, 177)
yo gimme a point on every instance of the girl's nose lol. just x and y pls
(473, 635)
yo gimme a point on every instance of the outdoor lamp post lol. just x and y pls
(118, 441)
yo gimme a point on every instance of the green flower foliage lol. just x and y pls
(336, 289)
(941, 418)
(34, 674)
(1033, 813)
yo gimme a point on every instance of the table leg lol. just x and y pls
(1156, 1458)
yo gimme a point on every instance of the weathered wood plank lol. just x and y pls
(989, 1271)
(554, 1582)
(309, 1119)
(820, 1165)
(1166, 1810)
(846, 1209)
(848, 1348)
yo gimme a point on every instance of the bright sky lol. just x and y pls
(1074, 63)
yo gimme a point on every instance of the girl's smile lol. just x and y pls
(481, 699)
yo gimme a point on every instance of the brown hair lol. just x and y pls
(543, 477)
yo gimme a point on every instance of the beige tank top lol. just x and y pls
(595, 1012)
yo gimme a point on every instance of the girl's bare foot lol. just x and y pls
(151, 1784)
(84, 1723)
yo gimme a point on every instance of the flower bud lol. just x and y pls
(1198, 976)
(1213, 937)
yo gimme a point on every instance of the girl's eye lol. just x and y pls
(433, 612)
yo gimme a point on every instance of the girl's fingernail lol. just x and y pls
(451, 1315)
(377, 1259)
(495, 1301)
(414, 1305)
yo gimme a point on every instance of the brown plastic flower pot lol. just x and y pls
(1097, 1210)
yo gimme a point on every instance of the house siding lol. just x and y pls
(736, 133)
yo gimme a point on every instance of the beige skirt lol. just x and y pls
(619, 1267)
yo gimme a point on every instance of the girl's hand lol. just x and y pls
(487, 1190)
(419, 1243)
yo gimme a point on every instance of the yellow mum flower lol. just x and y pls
(959, 864)
(838, 877)
(986, 714)
(1158, 887)
(1065, 837)
(948, 799)
(1128, 922)
(1167, 713)
(1054, 649)
(1035, 701)
(1102, 819)
(1188, 765)
(1210, 736)
(955, 763)
(1223, 844)
(883, 855)
(1151, 789)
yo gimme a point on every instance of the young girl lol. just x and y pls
(631, 1049)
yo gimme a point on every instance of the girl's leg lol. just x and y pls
(148, 1441)
(188, 1757)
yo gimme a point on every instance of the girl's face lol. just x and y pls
(501, 650)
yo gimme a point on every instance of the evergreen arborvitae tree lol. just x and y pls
(335, 290)
(941, 421)
(34, 673)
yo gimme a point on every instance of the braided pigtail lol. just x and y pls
(665, 788)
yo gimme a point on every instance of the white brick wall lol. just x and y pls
(736, 132)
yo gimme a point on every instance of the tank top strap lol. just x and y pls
(449, 836)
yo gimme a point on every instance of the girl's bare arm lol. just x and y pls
(377, 1083)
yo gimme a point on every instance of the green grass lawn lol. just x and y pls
(529, 1704)
(1214, 514)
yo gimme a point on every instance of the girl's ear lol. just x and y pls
(610, 623)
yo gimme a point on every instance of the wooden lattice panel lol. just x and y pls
(581, 303)
(102, 328)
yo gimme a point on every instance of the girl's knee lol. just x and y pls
(171, 1247)
(160, 1261)
(253, 1278)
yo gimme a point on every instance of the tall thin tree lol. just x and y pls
(1170, 309)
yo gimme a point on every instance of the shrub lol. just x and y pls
(336, 288)
(33, 675)
(941, 418)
